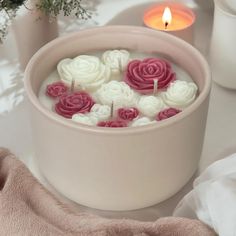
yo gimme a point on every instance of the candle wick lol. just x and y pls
(155, 86)
(166, 25)
(72, 85)
(120, 65)
(112, 109)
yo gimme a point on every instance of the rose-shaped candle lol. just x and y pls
(100, 112)
(117, 92)
(70, 104)
(87, 72)
(85, 119)
(180, 94)
(128, 113)
(141, 75)
(142, 121)
(150, 105)
(113, 123)
(97, 113)
(56, 89)
(117, 60)
(167, 113)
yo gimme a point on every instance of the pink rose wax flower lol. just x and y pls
(140, 75)
(70, 104)
(56, 89)
(128, 113)
(113, 123)
(167, 113)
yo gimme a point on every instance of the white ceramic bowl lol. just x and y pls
(122, 168)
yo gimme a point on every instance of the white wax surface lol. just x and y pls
(48, 102)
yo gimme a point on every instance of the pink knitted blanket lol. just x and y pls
(28, 209)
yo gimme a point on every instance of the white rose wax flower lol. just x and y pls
(86, 119)
(117, 60)
(150, 105)
(86, 72)
(142, 121)
(118, 93)
(180, 94)
(100, 112)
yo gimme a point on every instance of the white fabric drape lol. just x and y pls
(213, 198)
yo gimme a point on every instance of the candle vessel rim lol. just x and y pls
(112, 30)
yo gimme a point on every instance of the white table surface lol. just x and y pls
(15, 131)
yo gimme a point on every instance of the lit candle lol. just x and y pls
(173, 18)
(167, 17)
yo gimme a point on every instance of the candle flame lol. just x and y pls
(167, 16)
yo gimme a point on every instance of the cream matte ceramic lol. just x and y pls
(186, 33)
(231, 4)
(223, 48)
(122, 168)
(32, 30)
